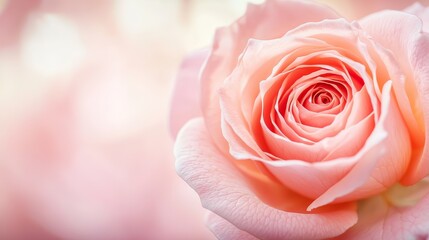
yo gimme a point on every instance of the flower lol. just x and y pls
(309, 121)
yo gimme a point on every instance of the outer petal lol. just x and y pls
(224, 230)
(402, 34)
(185, 101)
(267, 21)
(421, 12)
(223, 190)
(380, 219)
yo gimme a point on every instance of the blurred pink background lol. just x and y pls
(84, 97)
(85, 151)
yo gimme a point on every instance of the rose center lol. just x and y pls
(322, 97)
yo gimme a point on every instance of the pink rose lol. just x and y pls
(312, 127)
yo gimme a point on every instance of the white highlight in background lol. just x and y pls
(51, 45)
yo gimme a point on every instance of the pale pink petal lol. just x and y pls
(267, 21)
(224, 230)
(185, 103)
(380, 219)
(401, 33)
(420, 11)
(224, 191)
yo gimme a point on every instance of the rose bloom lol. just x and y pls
(311, 126)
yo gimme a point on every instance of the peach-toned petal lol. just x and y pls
(185, 103)
(310, 179)
(401, 33)
(224, 191)
(267, 21)
(249, 71)
(383, 158)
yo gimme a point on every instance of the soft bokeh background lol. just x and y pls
(85, 151)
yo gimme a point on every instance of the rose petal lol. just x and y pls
(185, 102)
(224, 230)
(250, 72)
(224, 191)
(420, 11)
(383, 158)
(380, 219)
(267, 21)
(401, 33)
